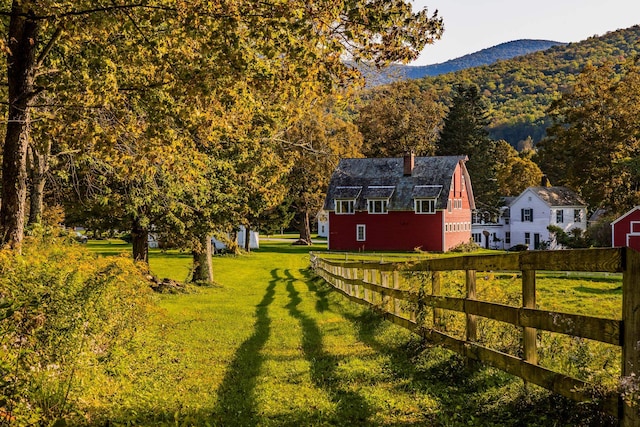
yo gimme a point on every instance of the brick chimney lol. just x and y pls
(409, 162)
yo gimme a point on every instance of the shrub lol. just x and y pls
(469, 246)
(62, 310)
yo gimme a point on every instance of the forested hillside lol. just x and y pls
(520, 90)
(487, 56)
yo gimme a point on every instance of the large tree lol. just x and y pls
(84, 52)
(321, 138)
(399, 118)
(515, 171)
(593, 145)
(464, 132)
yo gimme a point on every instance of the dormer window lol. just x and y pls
(344, 207)
(377, 197)
(377, 206)
(425, 206)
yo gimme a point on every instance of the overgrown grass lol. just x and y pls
(273, 346)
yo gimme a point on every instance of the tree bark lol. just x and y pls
(140, 240)
(21, 65)
(304, 227)
(202, 261)
(38, 170)
(247, 238)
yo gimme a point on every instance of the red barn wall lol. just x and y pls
(623, 227)
(394, 231)
(458, 221)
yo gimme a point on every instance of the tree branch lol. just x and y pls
(54, 38)
(88, 11)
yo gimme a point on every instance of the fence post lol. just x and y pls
(374, 281)
(396, 285)
(471, 332)
(529, 301)
(435, 291)
(631, 334)
(384, 281)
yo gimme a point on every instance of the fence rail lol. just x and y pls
(377, 284)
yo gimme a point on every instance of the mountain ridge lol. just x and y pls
(487, 56)
(519, 90)
(503, 51)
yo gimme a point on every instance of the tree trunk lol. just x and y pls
(140, 240)
(247, 238)
(38, 169)
(202, 262)
(304, 227)
(21, 64)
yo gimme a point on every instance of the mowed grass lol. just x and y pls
(271, 345)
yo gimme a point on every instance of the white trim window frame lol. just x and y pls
(424, 206)
(377, 206)
(560, 216)
(361, 232)
(345, 206)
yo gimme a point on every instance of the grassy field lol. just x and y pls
(273, 346)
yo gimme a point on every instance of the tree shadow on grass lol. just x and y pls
(236, 404)
(352, 409)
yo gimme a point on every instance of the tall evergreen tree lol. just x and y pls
(465, 133)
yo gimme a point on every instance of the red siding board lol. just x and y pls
(394, 231)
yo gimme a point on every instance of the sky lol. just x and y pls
(473, 25)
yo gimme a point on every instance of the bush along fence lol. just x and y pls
(414, 295)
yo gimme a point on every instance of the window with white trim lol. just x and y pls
(361, 232)
(377, 206)
(507, 237)
(425, 206)
(526, 215)
(559, 216)
(577, 215)
(527, 239)
(345, 206)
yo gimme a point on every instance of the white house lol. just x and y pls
(254, 242)
(524, 220)
(323, 223)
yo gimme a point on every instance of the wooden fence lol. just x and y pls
(378, 284)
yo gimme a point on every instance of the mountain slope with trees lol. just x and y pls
(487, 56)
(520, 90)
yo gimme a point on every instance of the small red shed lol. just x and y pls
(400, 204)
(625, 231)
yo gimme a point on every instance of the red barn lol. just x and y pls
(399, 204)
(625, 231)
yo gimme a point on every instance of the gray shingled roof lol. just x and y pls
(431, 178)
(558, 196)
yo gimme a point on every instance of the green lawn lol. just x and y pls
(273, 346)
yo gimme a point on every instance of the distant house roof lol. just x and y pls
(558, 196)
(552, 196)
(384, 178)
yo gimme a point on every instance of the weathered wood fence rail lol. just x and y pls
(378, 284)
